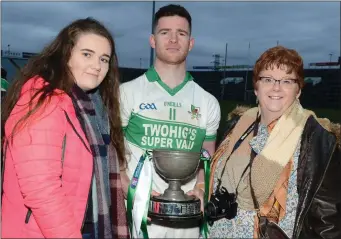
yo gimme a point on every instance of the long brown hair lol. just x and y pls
(52, 65)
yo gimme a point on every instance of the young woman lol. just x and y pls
(63, 142)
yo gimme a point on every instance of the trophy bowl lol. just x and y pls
(175, 167)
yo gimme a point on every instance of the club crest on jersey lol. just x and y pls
(194, 112)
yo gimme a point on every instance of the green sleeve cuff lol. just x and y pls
(211, 137)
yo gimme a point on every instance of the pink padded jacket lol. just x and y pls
(35, 177)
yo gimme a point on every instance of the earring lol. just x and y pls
(256, 100)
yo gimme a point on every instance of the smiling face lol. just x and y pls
(275, 98)
(172, 40)
(89, 61)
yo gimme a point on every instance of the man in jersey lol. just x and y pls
(165, 109)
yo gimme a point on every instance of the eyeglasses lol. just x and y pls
(286, 83)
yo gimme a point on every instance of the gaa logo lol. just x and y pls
(134, 182)
(147, 106)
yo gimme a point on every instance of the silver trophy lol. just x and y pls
(176, 167)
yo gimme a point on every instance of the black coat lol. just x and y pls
(318, 184)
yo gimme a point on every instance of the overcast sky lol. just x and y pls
(312, 28)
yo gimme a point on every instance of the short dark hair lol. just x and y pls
(170, 11)
(3, 73)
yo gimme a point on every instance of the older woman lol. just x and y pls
(279, 163)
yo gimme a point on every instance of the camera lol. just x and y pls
(221, 205)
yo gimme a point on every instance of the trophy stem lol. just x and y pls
(174, 185)
(174, 192)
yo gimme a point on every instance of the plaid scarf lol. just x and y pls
(112, 222)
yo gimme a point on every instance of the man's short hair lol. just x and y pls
(3, 73)
(170, 11)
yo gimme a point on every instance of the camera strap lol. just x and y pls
(236, 146)
(255, 202)
(252, 157)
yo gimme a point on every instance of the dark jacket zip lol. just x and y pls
(86, 209)
(92, 173)
(311, 201)
(28, 215)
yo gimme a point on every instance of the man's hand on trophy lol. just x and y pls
(199, 193)
(154, 193)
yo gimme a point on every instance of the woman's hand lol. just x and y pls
(199, 193)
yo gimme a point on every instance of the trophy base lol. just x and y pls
(174, 211)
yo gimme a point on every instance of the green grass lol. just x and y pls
(226, 107)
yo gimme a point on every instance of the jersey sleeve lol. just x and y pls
(125, 106)
(213, 119)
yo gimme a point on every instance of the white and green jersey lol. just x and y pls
(155, 116)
